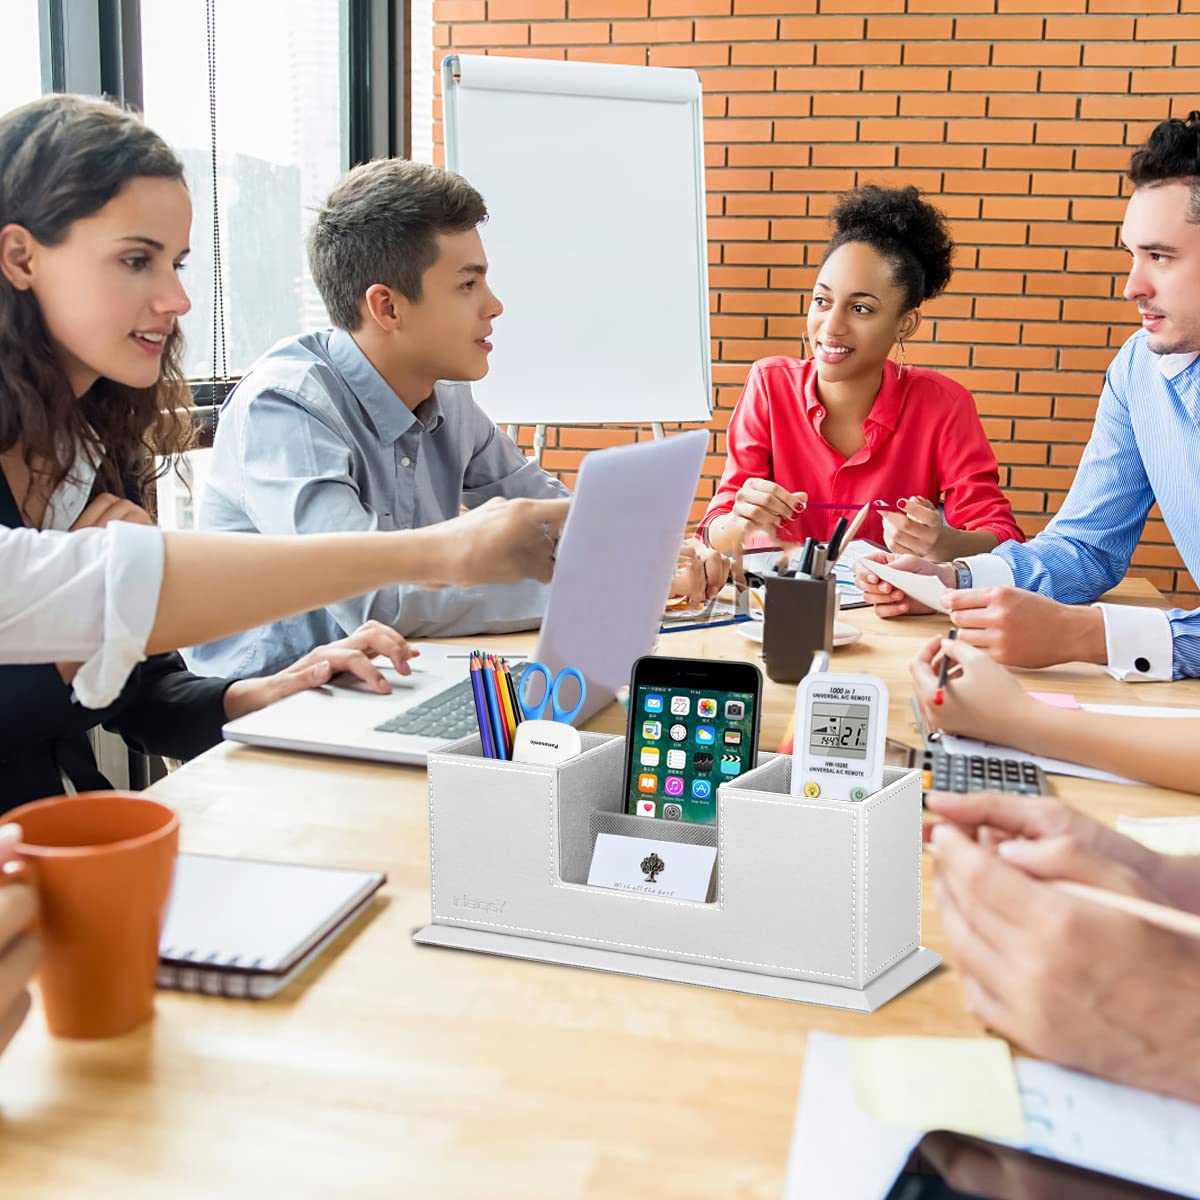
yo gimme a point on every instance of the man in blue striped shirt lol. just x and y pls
(1024, 603)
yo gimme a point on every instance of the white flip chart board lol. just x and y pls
(593, 176)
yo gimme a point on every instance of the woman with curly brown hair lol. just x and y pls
(94, 224)
(814, 439)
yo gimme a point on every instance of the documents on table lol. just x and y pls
(955, 744)
(839, 1149)
(1166, 835)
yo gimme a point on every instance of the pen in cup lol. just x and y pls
(835, 541)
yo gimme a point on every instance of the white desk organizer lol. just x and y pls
(815, 900)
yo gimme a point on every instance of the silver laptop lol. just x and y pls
(613, 571)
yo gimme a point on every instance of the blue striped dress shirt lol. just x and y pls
(1144, 449)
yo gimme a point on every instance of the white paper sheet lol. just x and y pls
(954, 744)
(837, 1150)
(927, 589)
(1167, 835)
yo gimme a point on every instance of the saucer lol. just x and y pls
(844, 634)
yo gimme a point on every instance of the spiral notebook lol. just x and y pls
(242, 928)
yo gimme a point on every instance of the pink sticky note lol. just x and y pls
(1056, 699)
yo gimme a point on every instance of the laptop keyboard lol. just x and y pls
(447, 716)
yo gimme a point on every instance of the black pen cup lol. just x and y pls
(798, 619)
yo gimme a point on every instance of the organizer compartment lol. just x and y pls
(807, 890)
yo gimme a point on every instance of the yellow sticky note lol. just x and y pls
(963, 1084)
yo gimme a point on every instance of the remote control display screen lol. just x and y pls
(839, 729)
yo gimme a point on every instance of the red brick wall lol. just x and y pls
(1017, 124)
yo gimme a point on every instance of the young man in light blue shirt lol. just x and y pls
(357, 428)
(1025, 604)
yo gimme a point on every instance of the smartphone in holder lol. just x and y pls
(693, 725)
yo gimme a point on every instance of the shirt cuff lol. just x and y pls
(989, 570)
(1139, 643)
(133, 578)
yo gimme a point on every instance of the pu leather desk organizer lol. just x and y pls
(798, 620)
(815, 900)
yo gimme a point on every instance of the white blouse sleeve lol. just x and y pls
(88, 597)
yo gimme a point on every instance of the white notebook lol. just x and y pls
(241, 928)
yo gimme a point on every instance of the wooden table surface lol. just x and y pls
(392, 1070)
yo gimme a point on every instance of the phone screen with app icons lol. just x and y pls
(685, 742)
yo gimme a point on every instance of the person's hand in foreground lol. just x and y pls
(18, 947)
(887, 599)
(351, 655)
(1063, 977)
(1045, 830)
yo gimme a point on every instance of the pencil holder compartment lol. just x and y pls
(798, 619)
(814, 900)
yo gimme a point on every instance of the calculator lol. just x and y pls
(945, 772)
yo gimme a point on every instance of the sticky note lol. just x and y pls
(963, 1084)
(1056, 699)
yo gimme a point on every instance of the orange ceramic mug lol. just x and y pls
(102, 864)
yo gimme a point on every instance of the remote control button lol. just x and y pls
(812, 789)
(858, 793)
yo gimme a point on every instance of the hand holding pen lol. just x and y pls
(939, 696)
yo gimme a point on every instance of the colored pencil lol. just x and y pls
(510, 683)
(506, 711)
(481, 708)
(877, 505)
(506, 720)
(489, 683)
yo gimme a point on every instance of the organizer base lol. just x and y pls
(877, 993)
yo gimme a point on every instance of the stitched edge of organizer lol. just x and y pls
(669, 953)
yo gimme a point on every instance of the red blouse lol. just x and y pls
(923, 438)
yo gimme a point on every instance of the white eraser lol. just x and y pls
(545, 742)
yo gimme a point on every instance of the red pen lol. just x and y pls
(939, 697)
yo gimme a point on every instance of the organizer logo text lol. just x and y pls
(492, 906)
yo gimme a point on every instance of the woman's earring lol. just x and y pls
(900, 364)
(804, 348)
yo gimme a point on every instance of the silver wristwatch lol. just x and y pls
(963, 576)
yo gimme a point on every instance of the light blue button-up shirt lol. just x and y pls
(1144, 449)
(312, 440)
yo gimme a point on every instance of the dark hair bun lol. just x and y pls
(902, 227)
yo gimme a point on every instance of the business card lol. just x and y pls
(655, 868)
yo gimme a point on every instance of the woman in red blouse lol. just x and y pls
(814, 439)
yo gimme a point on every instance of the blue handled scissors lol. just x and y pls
(553, 683)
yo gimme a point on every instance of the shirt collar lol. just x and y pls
(886, 409)
(1175, 364)
(389, 414)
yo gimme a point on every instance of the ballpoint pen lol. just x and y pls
(939, 697)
